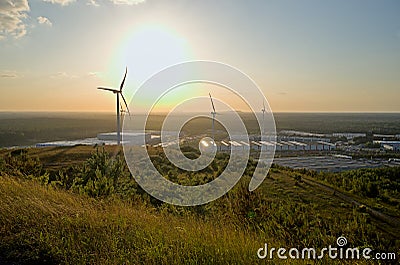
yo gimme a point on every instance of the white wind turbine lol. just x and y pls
(213, 113)
(263, 113)
(118, 92)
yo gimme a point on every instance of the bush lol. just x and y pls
(99, 175)
(19, 163)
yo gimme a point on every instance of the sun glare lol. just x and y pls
(146, 50)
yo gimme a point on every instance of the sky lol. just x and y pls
(306, 56)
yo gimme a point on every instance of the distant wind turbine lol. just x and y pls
(118, 92)
(263, 113)
(213, 113)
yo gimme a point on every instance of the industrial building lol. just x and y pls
(390, 145)
(134, 138)
(279, 146)
(349, 136)
(329, 163)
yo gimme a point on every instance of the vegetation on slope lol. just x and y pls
(44, 225)
(95, 213)
(379, 187)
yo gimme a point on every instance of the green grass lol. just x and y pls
(74, 217)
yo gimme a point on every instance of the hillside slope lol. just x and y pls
(47, 226)
(95, 213)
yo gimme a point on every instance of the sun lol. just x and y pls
(146, 50)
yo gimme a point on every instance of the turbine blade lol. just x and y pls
(126, 105)
(109, 89)
(123, 80)
(212, 102)
(263, 105)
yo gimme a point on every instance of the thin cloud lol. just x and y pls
(45, 21)
(92, 3)
(12, 15)
(95, 2)
(66, 75)
(94, 74)
(127, 2)
(63, 75)
(8, 74)
(60, 2)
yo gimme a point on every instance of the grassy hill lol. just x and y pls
(47, 226)
(79, 213)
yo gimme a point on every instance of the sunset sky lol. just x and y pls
(304, 55)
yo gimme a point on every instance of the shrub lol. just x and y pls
(99, 174)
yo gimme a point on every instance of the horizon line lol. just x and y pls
(164, 113)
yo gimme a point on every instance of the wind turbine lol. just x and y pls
(213, 113)
(118, 92)
(263, 113)
(123, 112)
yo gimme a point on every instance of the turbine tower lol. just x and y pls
(263, 113)
(118, 92)
(213, 113)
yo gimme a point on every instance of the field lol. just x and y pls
(80, 205)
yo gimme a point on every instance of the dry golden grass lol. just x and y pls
(55, 226)
(43, 225)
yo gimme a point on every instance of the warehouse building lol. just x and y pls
(390, 145)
